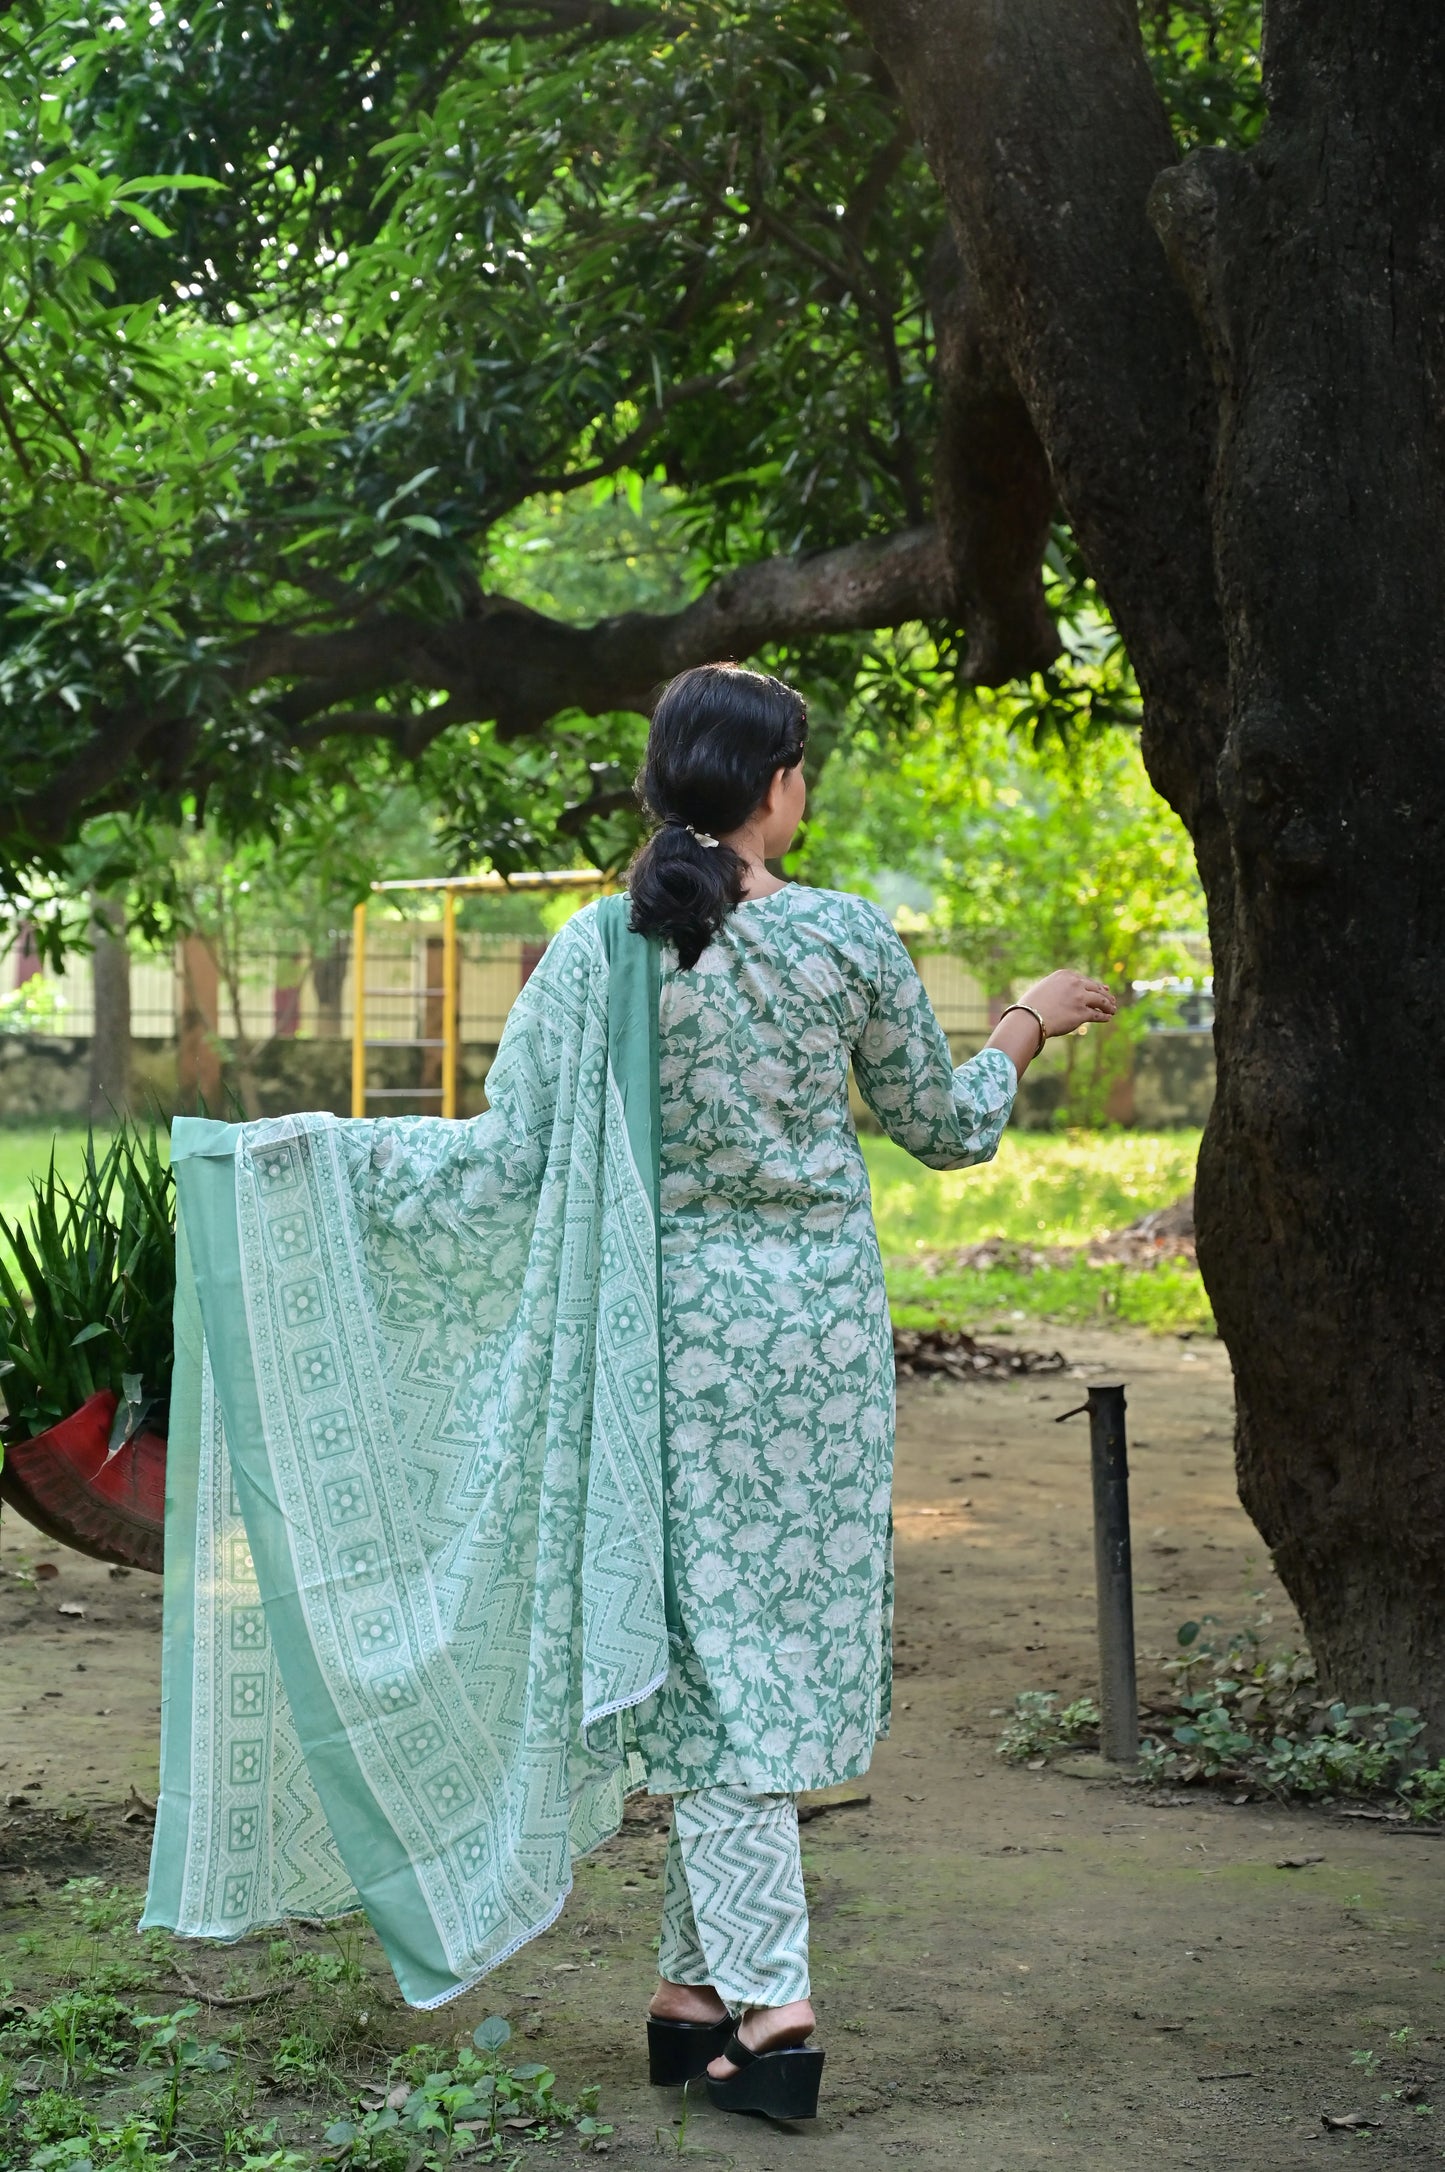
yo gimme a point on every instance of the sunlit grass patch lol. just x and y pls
(1041, 1188)
(1043, 1191)
(1169, 1298)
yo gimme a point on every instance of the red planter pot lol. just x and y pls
(69, 1486)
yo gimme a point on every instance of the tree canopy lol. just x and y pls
(326, 323)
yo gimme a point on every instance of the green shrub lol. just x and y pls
(1255, 1716)
(1038, 1725)
(477, 2108)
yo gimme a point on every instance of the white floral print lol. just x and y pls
(777, 1349)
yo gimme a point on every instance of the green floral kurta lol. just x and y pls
(776, 1341)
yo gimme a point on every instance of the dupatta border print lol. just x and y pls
(415, 1548)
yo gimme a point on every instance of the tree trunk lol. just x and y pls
(328, 977)
(109, 1081)
(1318, 272)
(1274, 553)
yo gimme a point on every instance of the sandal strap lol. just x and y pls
(737, 2052)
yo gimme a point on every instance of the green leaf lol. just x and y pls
(89, 1334)
(147, 182)
(150, 220)
(491, 2034)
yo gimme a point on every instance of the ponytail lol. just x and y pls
(719, 734)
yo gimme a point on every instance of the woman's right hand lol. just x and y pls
(1065, 1001)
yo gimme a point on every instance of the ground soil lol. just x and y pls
(1013, 1968)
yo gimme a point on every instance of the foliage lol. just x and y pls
(1206, 60)
(1039, 1725)
(29, 1008)
(314, 313)
(181, 2056)
(92, 2079)
(428, 2116)
(1245, 1714)
(75, 2035)
(1031, 859)
(1424, 1791)
(89, 1287)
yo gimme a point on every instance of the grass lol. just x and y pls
(1168, 1299)
(1043, 1189)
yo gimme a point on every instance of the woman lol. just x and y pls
(515, 1463)
(778, 1360)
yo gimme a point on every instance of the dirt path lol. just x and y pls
(1012, 1968)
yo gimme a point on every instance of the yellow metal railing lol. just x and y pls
(450, 1037)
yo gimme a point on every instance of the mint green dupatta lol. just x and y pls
(415, 1573)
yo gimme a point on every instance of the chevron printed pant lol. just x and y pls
(733, 1911)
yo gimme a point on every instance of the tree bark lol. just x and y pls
(109, 1080)
(1317, 270)
(1259, 494)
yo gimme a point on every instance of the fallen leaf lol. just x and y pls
(396, 2098)
(69, 1606)
(44, 1571)
(523, 2123)
(1297, 1862)
(567, 1968)
(1351, 2122)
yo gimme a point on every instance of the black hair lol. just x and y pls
(719, 733)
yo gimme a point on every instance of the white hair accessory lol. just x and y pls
(675, 822)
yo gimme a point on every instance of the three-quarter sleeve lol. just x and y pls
(945, 1115)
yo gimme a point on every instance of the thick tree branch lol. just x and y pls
(1046, 134)
(516, 667)
(504, 663)
(992, 489)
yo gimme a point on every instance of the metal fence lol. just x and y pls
(268, 995)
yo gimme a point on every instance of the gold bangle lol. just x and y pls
(1038, 1021)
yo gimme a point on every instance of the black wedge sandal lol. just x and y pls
(781, 2084)
(678, 2051)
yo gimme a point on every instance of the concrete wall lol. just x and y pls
(44, 1078)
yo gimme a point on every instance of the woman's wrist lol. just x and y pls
(1017, 1035)
(1027, 1010)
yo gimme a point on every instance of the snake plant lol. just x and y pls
(87, 1282)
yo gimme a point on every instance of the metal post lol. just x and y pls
(449, 1003)
(358, 1010)
(1113, 1576)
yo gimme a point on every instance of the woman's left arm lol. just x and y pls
(952, 1116)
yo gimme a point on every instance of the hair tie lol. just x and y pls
(675, 822)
